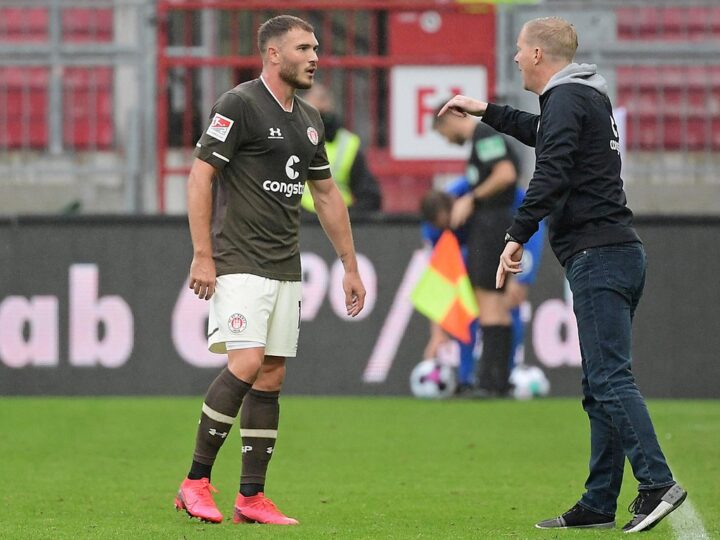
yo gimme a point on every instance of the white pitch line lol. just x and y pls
(686, 523)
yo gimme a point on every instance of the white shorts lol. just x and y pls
(249, 309)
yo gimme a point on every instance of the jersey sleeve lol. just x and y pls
(491, 148)
(319, 168)
(221, 138)
(458, 187)
(429, 233)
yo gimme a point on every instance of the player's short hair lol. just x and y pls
(279, 26)
(433, 202)
(556, 36)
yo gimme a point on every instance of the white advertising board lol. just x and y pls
(416, 93)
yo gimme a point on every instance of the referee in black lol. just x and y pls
(486, 211)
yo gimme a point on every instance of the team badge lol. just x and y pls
(237, 323)
(220, 127)
(313, 135)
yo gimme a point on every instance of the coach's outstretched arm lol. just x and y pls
(521, 125)
(199, 203)
(333, 215)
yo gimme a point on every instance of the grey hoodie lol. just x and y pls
(580, 74)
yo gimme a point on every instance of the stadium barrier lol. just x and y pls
(100, 305)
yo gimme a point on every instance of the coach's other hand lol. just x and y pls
(509, 262)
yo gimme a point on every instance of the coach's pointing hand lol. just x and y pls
(463, 105)
(202, 276)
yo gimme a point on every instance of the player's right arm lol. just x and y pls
(213, 152)
(199, 203)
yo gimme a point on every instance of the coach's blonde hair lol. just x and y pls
(554, 35)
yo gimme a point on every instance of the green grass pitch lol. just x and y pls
(366, 468)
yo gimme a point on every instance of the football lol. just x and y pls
(432, 380)
(529, 382)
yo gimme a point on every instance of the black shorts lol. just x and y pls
(485, 242)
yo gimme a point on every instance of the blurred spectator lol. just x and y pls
(356, 183)
(435, 208)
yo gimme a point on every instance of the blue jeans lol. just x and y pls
(607, 283)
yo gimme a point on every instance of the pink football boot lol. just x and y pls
(195, 497)
(259, 509)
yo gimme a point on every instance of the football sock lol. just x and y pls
(258, 427)
(495, 360)
(249, 490)
(199, 470)
(221, 406)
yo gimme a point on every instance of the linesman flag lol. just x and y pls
(444, 293)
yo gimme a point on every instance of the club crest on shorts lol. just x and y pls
(313, 135)
(237, 323)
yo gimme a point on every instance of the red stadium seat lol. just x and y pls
(87, 25)
(670, 107)
(87, 92)
(87, 105)
(23, 25)
(692, 23)
(23, 107)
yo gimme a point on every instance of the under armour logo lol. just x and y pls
(275, 133)
(269, 450)
(213, 431)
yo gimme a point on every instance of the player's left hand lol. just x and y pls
(461, 210)
(354, 293)
(509, 262)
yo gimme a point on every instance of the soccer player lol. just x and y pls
(577, 184)
(244, 193)
(486, 210)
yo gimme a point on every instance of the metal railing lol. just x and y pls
(73, 96)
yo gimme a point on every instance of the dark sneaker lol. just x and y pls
(652, 505)
(481, 393)
(578, 517)
(464, 390)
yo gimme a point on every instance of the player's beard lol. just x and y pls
(290, 73)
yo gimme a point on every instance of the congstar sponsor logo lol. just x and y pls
(283, 187)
